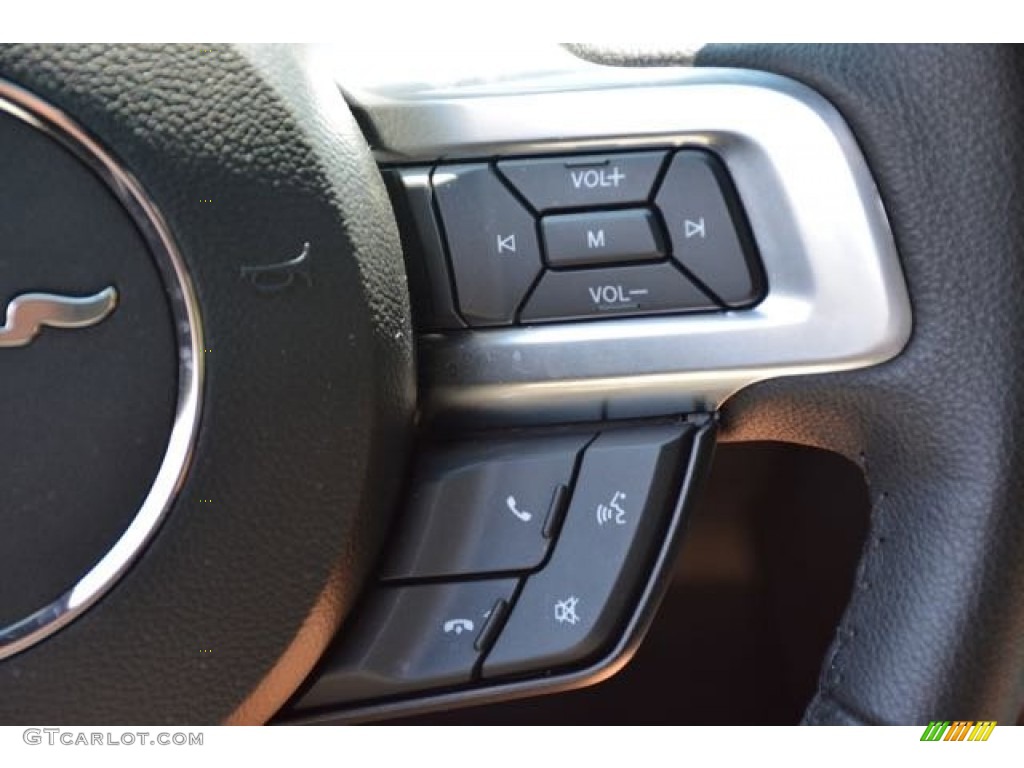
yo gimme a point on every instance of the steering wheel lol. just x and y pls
(223, 459)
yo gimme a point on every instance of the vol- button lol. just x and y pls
(642, 289)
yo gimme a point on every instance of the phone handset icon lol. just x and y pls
(522, 514)
(457, 626)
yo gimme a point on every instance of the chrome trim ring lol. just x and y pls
(28, 108)
(836, 297)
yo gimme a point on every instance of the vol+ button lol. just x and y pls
(585, 181)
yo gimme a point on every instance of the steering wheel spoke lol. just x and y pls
(221, 444)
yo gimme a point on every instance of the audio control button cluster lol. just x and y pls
(576, 237)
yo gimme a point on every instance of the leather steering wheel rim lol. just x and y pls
(934, 627)
(308, 397)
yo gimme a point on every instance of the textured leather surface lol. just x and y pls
(634, 55)
(935, 626)
(308, 397)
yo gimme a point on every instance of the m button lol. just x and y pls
(610, 237)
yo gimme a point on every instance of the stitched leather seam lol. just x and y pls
(847, 630)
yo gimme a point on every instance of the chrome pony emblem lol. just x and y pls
(29, 312)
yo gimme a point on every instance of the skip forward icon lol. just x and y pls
(694, 228)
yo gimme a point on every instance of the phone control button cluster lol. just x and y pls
(516, 556)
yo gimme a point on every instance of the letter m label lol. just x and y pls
(935, 730)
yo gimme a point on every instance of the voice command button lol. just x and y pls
(574, 607)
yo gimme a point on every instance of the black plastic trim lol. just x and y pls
(702, 449)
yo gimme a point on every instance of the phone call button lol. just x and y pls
(485, 507)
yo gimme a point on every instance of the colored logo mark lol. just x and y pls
(958, 730)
